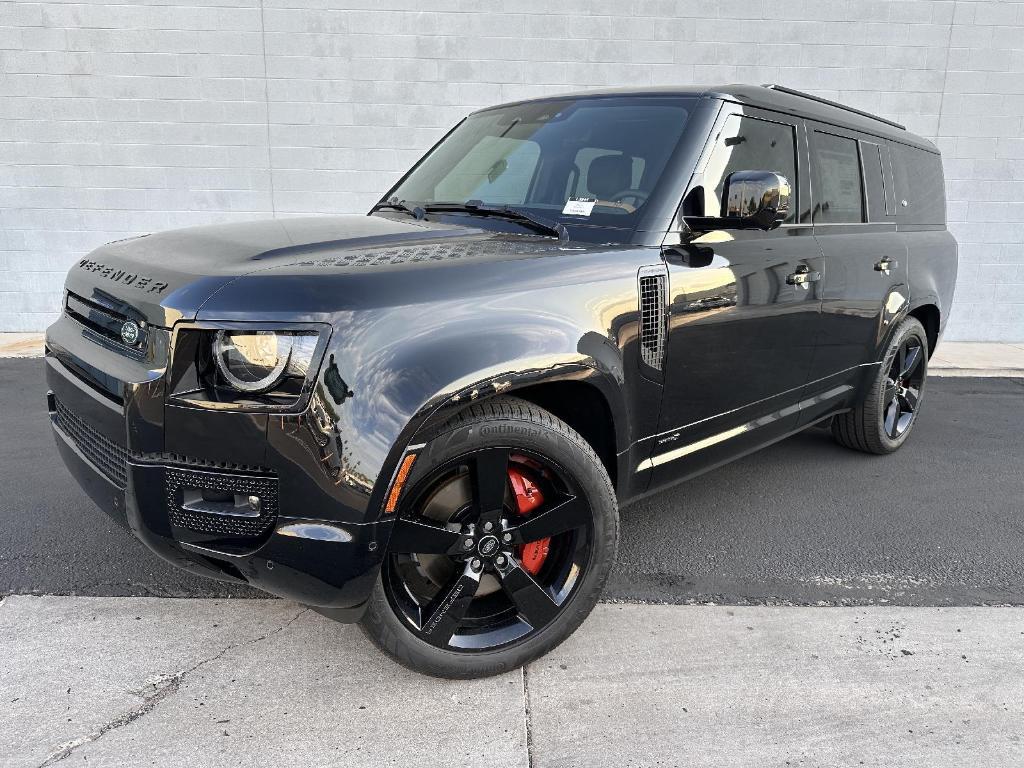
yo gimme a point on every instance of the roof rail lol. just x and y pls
(801, 94)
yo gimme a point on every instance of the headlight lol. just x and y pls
(242, 367)
(254, 361)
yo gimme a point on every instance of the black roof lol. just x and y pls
(773, 97)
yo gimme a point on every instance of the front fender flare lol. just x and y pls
(440, 407)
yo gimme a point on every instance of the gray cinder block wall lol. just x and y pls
(117, 119)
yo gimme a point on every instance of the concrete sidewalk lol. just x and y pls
(976, 358)
(21, 345)
(951, 358)
(132, 681)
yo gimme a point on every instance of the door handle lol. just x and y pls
(803, 277)
(885, 264)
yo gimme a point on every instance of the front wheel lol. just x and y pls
(505, 536)
(882, 421)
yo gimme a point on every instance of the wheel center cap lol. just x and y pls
(488, 545)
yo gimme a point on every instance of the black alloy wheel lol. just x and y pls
(903, 387)
(505, 535)
(883, 418)
(456, 570)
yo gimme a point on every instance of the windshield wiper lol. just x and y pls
(476, 208)
(394, 204)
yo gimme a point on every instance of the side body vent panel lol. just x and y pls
(653, 289)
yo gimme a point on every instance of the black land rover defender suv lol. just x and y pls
(423, 419)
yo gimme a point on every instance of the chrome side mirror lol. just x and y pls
(750, 200)
(758, 199)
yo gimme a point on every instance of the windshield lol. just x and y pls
(580, 162)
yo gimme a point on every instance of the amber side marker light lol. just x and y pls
(400, 478)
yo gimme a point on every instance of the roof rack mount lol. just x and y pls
(801, 94)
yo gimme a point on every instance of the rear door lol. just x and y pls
(742, 325)
(864, 286)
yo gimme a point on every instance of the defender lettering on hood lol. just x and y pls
(142, 282)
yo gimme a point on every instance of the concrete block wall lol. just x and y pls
(122, 118)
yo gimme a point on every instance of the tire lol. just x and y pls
(569, 476)
(886, 414)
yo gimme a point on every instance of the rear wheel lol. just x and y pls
(882, 422)
(504, 539)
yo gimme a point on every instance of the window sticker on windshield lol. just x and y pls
(578, 206)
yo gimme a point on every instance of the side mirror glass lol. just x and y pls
(750, 200)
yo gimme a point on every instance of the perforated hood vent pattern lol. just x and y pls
(435, 252)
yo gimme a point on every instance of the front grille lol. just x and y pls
(180, 480)
(109, 457)
(103, 323)
(652, 316)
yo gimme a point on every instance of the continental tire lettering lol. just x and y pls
(510, 429)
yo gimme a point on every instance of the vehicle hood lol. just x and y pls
(169, 276)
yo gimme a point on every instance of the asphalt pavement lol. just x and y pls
(804, 522)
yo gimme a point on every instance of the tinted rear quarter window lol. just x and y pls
(917, 175)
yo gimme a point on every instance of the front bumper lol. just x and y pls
(328, 564)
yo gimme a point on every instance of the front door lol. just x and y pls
(744, 308)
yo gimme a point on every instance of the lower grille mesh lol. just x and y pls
(109, 457)
(221, 525)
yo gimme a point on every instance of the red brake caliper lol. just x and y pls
(528, 498)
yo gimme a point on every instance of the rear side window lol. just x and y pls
(878, 194)
(920, 193)
(838, 189)
(749, 144)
